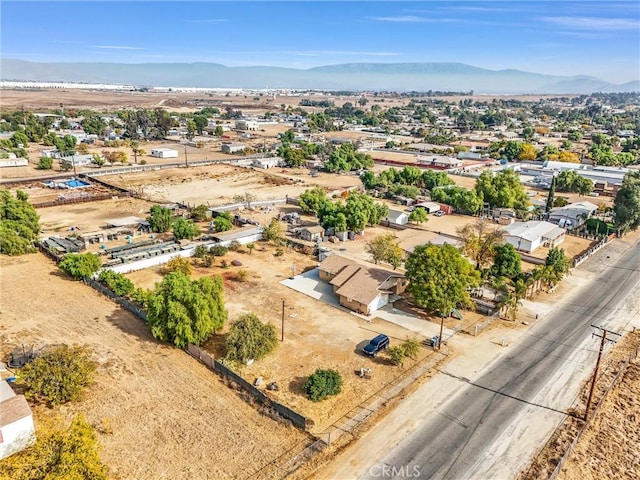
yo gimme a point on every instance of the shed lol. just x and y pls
(312, 234)
(230, 147)
(17, 430)
(397, 217)
(267, 162)
(164, 153)
(430, 207)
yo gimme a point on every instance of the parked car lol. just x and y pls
(381, 342)
(439, 213)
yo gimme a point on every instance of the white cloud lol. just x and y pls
(592, 23)
(117, 47)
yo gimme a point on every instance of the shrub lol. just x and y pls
(59, 375)
(117, 282)
(80, 265)
(59, 453)
(218, 250)
(45, 163)
(140, 296)
(322, 384)
(397, 354)
(180, 265)
(183, 228)
(235, 246)
(242, 275)
(250, 338)
(199, 213)
(19, 224)
(411, 347)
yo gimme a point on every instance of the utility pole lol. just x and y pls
(186, 163)
(595, 372)
(282, 328)
(441, 329)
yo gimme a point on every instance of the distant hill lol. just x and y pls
(350, 76)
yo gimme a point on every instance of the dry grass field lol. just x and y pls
(317, 335)
(169, 416)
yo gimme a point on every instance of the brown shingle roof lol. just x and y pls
(356, 281)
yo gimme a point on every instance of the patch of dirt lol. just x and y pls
(159, 402)
(610, 445)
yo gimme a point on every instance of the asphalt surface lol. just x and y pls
(455, 439)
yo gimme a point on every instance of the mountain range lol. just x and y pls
(351, 76)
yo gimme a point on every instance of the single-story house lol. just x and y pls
(469, 156)
(230, 147)
(573, 215)
(77, 160)
(164, 153)
(267, 162)
(14, 162)
(397, 217)
(17, 430)
(528, 236)
(247, 125)
(359, 287)
(312, 234)
(440, 161)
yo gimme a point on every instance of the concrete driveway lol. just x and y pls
(309, 283)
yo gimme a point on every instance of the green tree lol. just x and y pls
(626, 206)
(479, 240)
(182, 311)
(506, 262)
(183, 228)
(199, 213)
(19, 224)
(502, 189)
(117, 282)
(80, 265)
(274, 232)
(385, 248)
(45, 163)
(200, 122)
(311, 200)
(558, 264)
(439, 277)
(181, 265)
(250, 338)
(160, 219)
(250, 247)
(222, 222)
(550, 197)
(218, 132)
(512, 149)
(59, 375)
(59, 454)
(323, 384)
(572, 181)
(418, 215)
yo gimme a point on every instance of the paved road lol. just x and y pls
(458, 440)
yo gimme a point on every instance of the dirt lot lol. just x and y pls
(154, 397)
(317, 335)
(89, 217)
(217, 184)
(610, 446)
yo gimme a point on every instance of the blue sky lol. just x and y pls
(554, 37)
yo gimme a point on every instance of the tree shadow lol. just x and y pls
(297, 386)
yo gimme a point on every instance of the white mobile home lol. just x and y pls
(164, 153)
